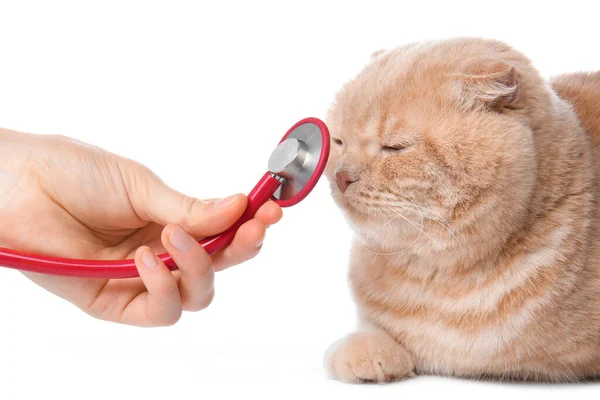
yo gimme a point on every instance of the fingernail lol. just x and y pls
(149, 259)
(181, 240)
(224, 202)
(260, 242)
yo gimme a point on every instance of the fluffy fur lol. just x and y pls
(472, 190)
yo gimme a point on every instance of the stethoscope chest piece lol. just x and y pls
(299, 160)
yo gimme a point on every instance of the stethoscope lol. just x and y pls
(294, 168)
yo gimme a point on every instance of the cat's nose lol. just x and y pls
(343, 180)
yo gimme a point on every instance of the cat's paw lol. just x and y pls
(369, 356)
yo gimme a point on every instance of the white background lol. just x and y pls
(201, 93)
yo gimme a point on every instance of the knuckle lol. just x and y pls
(188, 205)
(136, 177)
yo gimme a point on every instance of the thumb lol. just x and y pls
(154, 201)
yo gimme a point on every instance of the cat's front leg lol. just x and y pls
(369, 355)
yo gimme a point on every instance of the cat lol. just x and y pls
(471, 185)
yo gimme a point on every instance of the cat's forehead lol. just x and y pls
(393, 80)
(389, 69)
(374, 111)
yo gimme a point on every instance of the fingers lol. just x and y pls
(269, 214)
(160, 305)
(246, 245)
(249, 237)
(154, 201)
(196, 287)
(202, 219)
(167, 295)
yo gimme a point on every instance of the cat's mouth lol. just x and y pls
(366, 204)
(387, 208)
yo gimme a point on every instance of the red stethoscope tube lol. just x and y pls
(262, 192)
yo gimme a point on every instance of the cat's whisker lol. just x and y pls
(376, 253)
(418, 212)
(419, 235)
(420, 228)
(423, 212)
(445, 224)
(384, 225)
(389, 206)
(452, 235)
(371, 236)
(439, 218)
(377, 201)
(429, 214)
(407, 207)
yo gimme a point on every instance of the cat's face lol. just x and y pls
(424, 132)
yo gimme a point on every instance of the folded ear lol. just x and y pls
(493, 84)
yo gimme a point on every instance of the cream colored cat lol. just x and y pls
(471, 187)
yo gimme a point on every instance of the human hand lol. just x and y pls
(64, 198)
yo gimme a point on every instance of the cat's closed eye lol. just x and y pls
(337, 142)
(399, 142)
(395, 147)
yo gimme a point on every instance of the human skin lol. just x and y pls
(62, 197)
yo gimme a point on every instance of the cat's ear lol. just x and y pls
(493, 84)
(377, 54)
